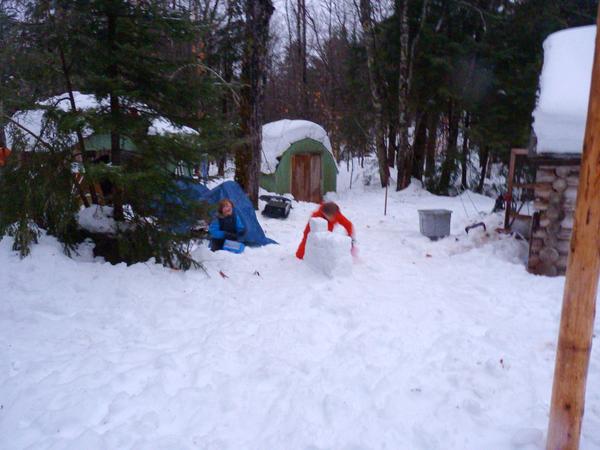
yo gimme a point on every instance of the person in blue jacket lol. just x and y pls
(227, 225)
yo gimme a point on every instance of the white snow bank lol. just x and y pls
(446, 345)
(278, 136)
(97, 219)
(560, 115)
(35, 119)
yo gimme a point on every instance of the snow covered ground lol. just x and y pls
(425, 345)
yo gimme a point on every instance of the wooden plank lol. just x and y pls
(554, 160)
(300, 173)
(314, 181)
(519, 151)
(530, 185)
(581, 286)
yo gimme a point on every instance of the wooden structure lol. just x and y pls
(557, 143)
(581, 285)
(306, 169)
(555, 191)
(514, 213)
(306, 177)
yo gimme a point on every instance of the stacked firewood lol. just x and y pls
(555, 196)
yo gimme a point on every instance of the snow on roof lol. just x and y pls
(278, 136)
(33, 119)
(162, 125)
(561, 111)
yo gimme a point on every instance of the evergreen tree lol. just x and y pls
(137, 60)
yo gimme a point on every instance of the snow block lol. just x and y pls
(326, 252)
(317, 225)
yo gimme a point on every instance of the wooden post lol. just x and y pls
(581, 284)
(511, 180)
(511, 176)
(385, 203)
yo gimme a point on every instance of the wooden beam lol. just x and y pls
(581, 285)
(511, 176)
(529, 185)
(555, 161)
(519, 151)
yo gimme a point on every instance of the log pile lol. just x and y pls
(555, 195)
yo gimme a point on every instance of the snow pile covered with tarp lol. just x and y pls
(254, 236)
(278, 136)
(560, 115)
(327, 252)
(35, 120)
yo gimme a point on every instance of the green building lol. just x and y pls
(297, 159)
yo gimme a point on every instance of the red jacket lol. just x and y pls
(338, 218)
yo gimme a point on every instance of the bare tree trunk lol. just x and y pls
(80, 141)
(258, 14)
(228, 100)
(302, 38)
(377, 89)
(449, 165)
(430, 150)
(464, 156)
(419, 146)
(115, 138)
(405, 155)
(392, 146)
(483, 160)
(221, 166)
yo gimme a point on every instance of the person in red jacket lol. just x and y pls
(329, 211)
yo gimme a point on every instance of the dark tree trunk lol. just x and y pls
(80, 141)
(432, 131)
(226, 113)
(115, 138)
(464, 156)
(221, 166)
(392, 146)
(304, 95)
(484, 157)
(377, 89)
(2, 124)
(419, 147)
(405, 153)
(258, 14)
(449, 165)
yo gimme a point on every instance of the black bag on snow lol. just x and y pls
(277, 207)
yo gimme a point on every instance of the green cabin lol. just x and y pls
(98, 148)
(97, 145)
(297, 159)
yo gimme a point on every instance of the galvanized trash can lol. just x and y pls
(434, 223)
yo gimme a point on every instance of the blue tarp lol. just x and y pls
(255, 236)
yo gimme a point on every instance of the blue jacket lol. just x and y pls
(216, 230)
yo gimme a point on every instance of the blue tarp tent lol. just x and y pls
(255, 236)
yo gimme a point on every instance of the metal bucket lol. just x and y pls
(434, 223)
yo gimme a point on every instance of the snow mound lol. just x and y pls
(278, 136)
(97, 219)
(427, 345)
(560, 115)
(327, 253)
(161, 126)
